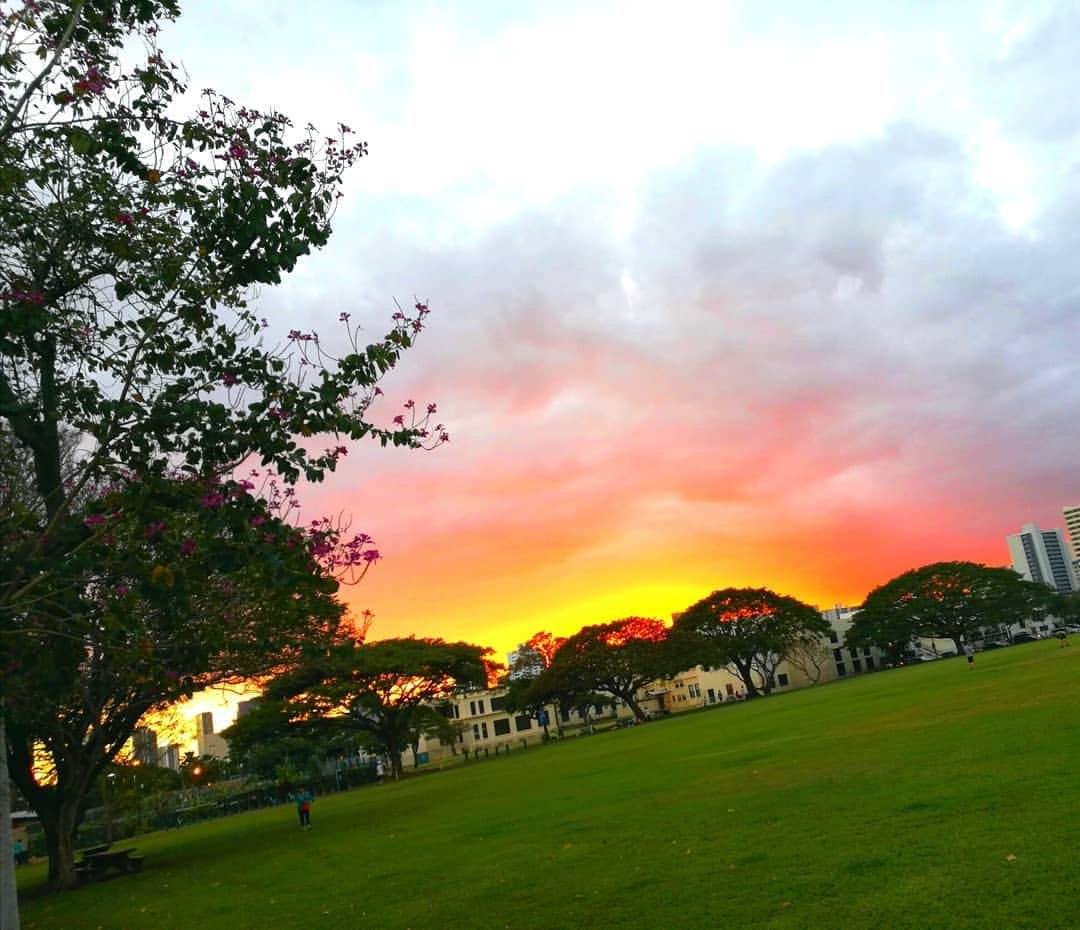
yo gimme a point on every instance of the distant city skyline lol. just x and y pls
(722, 294)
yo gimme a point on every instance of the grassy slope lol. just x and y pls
(891, 800)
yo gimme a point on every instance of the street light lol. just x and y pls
(108, 789)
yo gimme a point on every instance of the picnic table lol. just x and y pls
(98, 865)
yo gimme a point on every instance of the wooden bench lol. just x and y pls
(99, 865)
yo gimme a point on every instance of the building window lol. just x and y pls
(712, 695)
(729, 688)
(480, 706)
(457, 712)
(522, 723)
(502, 727)
(866, 650)
(833, 638)
(694, 691)
(472, 708)
(869, 663)
(476, 731)
(840, 670)
(497, 703)
(856, 665)
(782, 680)
(838, 655)
(483, 730)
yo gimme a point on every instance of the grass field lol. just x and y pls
(895, 800)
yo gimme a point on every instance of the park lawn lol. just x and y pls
(894, 800)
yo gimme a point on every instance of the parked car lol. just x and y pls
(1072, 628)
(993, 644)
(1024, 638)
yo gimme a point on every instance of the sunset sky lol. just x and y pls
(721, 294)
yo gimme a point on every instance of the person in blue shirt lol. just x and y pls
(303, 799)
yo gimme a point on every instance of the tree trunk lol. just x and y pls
(639, 714)
(395, 763)
(59, 822)
(746, 674)
(9, 901)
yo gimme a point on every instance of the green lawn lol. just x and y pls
(889, 801)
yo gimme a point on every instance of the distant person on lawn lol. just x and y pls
(1063, 638)
(969, 651)
(303, 799)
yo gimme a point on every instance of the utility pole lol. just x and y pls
(9, 900)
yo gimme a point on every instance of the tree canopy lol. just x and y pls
(166, 587)
(385, 690)
(616, 658)
(750, 630)
(131, 242)
(129, 245)
(951, 600)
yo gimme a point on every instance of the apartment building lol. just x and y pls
(1042, 556)
(1072, 524)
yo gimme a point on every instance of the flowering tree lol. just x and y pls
(130, 242)
(750, 630)
(181, 586)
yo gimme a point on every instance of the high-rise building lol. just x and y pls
(144, 745)
(1041, 555)
(524, 662)
(209, 743)
(169, 757)
(1072, 522)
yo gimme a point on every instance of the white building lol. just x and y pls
(524, 662)
(848, 660)
(1072, 523)
(1041, 555)
(209, 743)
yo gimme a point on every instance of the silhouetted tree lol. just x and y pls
(617, 658)
(951, 600)
(749, 630)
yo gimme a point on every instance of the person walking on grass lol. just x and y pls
(303, 799)
(969, 651)
(1063, 638)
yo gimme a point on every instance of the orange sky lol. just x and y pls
(791, 307)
